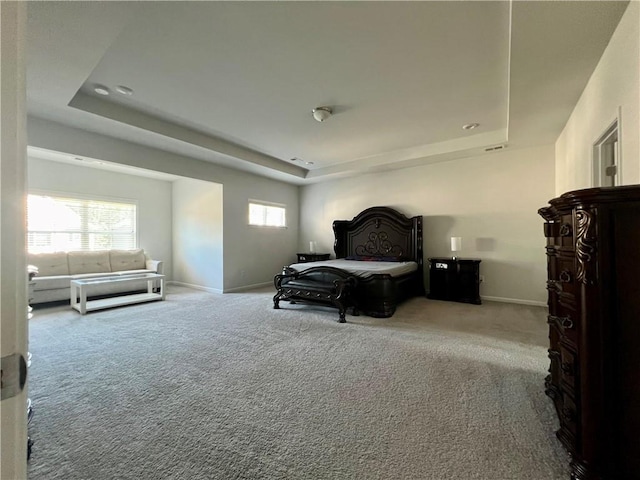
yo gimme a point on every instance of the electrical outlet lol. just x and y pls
(481, 278)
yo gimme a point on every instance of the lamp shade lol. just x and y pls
(456, 244)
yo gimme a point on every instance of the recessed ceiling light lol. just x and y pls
(124, 90)
(295, 159)
(309, 163)
(101, 90)
(470, 126)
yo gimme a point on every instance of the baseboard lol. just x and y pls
(519, 301)
(195, 287)
(217, 290)
(248, 287)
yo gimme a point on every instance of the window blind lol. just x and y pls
(57, 224)
(267, 215)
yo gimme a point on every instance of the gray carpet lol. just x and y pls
(206, 386)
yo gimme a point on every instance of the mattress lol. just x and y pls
(362, 268)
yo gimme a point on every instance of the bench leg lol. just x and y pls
(276, 300)
(342, 310)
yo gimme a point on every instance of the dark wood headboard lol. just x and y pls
(379, 232)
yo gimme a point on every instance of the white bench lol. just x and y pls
(80, 289)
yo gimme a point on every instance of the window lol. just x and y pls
(61, 224)
(267, 215)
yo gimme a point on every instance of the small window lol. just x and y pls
(267, 215)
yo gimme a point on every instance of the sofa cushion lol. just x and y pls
(127, 260)
(89, 262)
(51, 283)
(49, 263)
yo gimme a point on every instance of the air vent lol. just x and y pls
(495, 148)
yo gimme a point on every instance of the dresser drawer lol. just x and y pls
(568, 368)
(555, 375)
(562, 284)
(568, 413)
(559, 300)
(560, 232)
(565, 326)
(563, 272)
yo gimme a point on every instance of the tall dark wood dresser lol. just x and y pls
(593, 258)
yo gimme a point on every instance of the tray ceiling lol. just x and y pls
(234, 83)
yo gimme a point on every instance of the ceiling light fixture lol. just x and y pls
(309, 163)
(470, 126)
(124, 90)
(101, 90)
(321, 113)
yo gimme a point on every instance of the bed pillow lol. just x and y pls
(370, 258)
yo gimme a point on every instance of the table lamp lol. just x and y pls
(456, 245)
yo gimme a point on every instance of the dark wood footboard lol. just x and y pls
(326, 286)
(378, 295)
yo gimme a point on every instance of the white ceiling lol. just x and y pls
(234, 83)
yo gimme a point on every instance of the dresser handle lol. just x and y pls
(551, 393)
(567, 368)
(564, 322)
(565, 276)
(568, 414)
(565, 230)
(554, 285)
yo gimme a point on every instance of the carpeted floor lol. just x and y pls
(206, 386)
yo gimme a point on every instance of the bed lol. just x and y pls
(378, 265)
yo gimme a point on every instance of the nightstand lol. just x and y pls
(456, 280)
(312, 257)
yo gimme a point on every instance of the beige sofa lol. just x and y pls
(56, 270)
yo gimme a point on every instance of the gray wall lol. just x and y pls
(198, 234)
(491, 201)
(614, 88)
(251, 256)
(152, 196)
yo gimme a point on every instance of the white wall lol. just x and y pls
(251, 256)
(614, 84)
(198, 234)
(13, 292)
(491, 201)
(152, 196)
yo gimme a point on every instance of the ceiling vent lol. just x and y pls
(495, 148)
